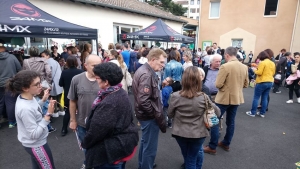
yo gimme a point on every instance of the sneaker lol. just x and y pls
(289, 101)
(262, 115)
(55, 115)
(83, 166)
(250, 114)
(12, 124)
(298, 100)
(278, 92)
(61, 113)
(52, 130)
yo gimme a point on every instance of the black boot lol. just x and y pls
(64, 132)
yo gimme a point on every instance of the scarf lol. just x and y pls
(105, 92)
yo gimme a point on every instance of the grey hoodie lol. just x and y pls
(9, 66)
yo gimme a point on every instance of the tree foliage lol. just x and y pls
(169, 6)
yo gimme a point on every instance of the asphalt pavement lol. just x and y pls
(272, 142)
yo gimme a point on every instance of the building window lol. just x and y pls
(197, 10)
(193, 10)
(198, 2)
(237, 43)
(214, 11)
(192, 2)
(119, 29)
(197, 17)
(271, 7)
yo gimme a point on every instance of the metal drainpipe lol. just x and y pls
(295, 22)
(198, 33)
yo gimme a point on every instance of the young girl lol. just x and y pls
(166, 92)
(32, 126)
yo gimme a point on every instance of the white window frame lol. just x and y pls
(237, 39)
(210, 11)
(271, 16)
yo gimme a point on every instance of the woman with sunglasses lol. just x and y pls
(32, 125)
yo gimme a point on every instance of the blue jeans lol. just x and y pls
(148, 146)
(261, 90)
(7, 104)
(191, 151)
(120, 165)
(200, 158)
(230, 120)
(81, 131)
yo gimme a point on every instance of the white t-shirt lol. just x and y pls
(187, 64)
(240, 54)
(206, 60)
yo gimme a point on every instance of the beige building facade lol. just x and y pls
(254, 25)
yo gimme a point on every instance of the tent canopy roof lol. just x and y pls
(21, 18)
(158, 31)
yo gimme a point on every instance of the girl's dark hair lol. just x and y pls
(145, 52)
(109, 71)
(139, 55)
(21, 80)
(72, 61)
(270, 53)
(52, 48)
(263, 55)
(172, 55)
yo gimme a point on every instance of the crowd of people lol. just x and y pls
(175, 88)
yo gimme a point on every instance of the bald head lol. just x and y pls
(90, 62)
(92, 58)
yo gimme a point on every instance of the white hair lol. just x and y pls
(212, 57)
(202, 71)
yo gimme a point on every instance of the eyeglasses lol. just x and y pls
(38, 84)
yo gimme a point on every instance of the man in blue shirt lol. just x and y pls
(126, 55)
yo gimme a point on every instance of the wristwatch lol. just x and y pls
(48, 114)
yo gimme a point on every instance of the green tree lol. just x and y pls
(169, 6)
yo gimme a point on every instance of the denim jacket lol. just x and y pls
(174, 70)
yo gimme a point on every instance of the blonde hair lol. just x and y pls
(188, 54)
(121, 61)
(155, 54)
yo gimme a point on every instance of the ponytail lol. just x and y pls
(121, 61)
(10, 85)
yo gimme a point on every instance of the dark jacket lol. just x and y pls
(111, 134)
(9, 66)
(57, 58)
(148, 103)
(65, 81)
(205, 68)
(133, 59)
(280, 67)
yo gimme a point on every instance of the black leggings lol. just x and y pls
(66, 119)
(41, 157)
(294, 88)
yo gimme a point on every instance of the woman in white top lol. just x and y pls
(187, 57)
(118, 60)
